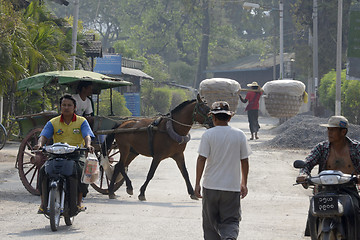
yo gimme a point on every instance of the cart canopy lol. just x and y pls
(71, 79)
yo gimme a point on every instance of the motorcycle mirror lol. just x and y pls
(299, 164)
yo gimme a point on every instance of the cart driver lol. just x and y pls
(72, 129)
(84, 105)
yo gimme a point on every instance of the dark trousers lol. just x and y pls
(82, 187)
(253, 116)
(221, 214)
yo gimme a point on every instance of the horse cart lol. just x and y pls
(29, 163)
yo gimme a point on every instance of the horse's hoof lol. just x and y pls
(142, 198)
(194, 197)
(130, 191)
(112, 196)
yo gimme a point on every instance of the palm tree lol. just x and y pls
(49, 50)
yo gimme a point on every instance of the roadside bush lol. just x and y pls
(118, 104)
(350, 91)
(179, 96)
(160, 100)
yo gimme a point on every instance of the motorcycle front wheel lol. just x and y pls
(55, 204)
(329, 236)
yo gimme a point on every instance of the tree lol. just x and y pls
(204, 48)
(119, 104)
(327, 21)
(195, 32)
(31, 41)
(350, 90)
(49, 49)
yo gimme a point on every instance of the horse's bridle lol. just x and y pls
(199, 109)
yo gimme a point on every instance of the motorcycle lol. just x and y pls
(61, 184)
(332, 214)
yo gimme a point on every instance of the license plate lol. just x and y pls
(326, 204)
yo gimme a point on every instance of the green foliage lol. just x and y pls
(182, 73)
(301, 12)
(156, 67)
(47, 41)
(350, 91)
(160, 100)
(31, 102)
(178, 96)
(350, 100)
(327, 89)
(147, 89)
(125, 50)
(162, 97)
(118, 104)
(31, 41)
(13, 46)
(169, 33)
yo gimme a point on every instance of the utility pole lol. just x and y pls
(338, 59)
(249, 6)
(74, 32)
(281, 9)
(315, 52)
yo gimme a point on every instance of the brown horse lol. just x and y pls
(165, 137)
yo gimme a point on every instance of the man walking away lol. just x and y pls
(223, 153)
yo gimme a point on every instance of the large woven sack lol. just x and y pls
(285, 86)
(283, 98)
(220, 89)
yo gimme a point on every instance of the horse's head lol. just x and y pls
(201, 113)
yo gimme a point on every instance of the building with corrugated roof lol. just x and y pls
(255, 68)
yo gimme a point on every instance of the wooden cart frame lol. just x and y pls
(30, 126)
(29, 163)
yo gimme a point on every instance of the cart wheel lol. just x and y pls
(29, 163)
(102, 185)
(3, 136)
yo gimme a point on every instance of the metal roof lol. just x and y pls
(251, 63)
(91, 47)
(134, 72)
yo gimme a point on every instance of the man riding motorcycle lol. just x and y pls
(338, 153)
(68, 128)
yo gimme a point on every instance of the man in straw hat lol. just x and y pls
(253, 97)
(225, 151)
(339, 152)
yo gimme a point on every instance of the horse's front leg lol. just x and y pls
(180, 161)
(150, 175)
(120, 168)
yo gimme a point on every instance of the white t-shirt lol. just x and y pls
(82, 106)
(224, 147)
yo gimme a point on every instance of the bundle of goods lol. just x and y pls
(283, 98)
(220, 89)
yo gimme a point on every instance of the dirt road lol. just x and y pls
(273, 209)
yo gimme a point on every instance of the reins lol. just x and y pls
(195, 111)
(183, 124)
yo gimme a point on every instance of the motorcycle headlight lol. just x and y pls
(326, 179)
(329, 179)
(60, 149)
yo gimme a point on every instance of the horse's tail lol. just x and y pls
(106, 145)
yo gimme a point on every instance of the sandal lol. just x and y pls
(41, 211)
(81, 208)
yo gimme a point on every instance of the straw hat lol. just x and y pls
(337, 121)
(253, 84)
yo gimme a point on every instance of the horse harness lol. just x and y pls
(170, 130)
